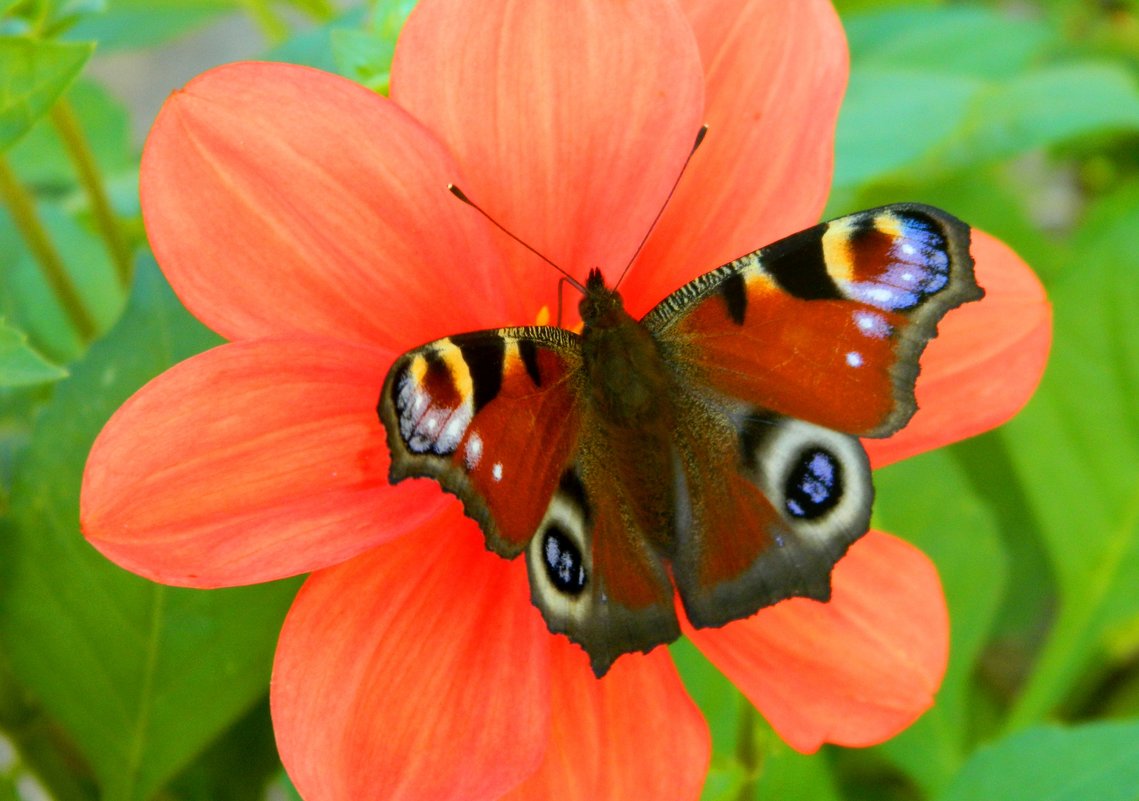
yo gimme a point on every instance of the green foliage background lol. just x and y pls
(1021, 117)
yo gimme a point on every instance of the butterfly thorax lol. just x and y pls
(627, 376)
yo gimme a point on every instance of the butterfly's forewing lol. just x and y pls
(780, 357)
(495, 417)
(825, 325)
(466, 411)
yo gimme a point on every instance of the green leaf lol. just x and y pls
(959, 40)
(141, 676)
(1041, 108)
(365, 56)
(20, 364)
(314, 48)
(1076, 448)
(134, 24)
(33, 305)
(893, 117)
(40, 159)
(928, 501)
(1097, 761)
(32, 75)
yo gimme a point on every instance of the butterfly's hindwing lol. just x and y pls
(594, 573)
(774, 503)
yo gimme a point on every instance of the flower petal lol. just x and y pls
(246, 463)
(854, 671)
(571, 119)
(776, 71)
(416, 671)
(984, 364)
(633, 734)
(280, 199)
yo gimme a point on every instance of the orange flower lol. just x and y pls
(307, 220)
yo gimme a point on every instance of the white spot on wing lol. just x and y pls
(496, 471)
(854, 359)
(473, 451)
(872, 324)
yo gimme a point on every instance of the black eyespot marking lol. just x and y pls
(529, 353)
(754, 429)
(814, 485)
(800, 267)
(484, 356)
(571, 487)
(562, 559)
(734, 290)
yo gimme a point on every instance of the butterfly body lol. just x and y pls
(708, 450)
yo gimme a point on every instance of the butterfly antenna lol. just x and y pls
(457, 192)
(699, 138)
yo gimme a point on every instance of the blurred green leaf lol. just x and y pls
(1076, 448)
(135, 24)
(893, 117)
(363, 56)
(314, 48)
(142, 676)
(40, 159)
(787, 775)
(237, 766)
(717, 697)
(1040, 108)
(32, 75)
(36, 309)
(961, 40)
(929, 501)
(20, 364)
(1098, 761)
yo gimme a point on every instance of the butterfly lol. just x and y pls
(710, 449)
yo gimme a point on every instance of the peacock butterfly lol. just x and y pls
(709, 449)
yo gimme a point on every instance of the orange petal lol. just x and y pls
(854, 671)
(775, 71)
(418, 671)
(249, 462)
(571, 119)
(633, 734)
(280, 199)
(984, 364)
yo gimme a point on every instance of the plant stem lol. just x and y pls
(71, 133)
(23, 209)
(747, 749)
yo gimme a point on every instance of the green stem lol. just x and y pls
(747, 749)
(71, 133)
(23, 208)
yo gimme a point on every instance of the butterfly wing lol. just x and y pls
(782, 358)
(496, 418)
(826, 325)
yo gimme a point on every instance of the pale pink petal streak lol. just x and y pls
(571, 119)
(854, 671)
(776, 71)
(280, 199)
(415, 672)
(633, 734)
(247, 463)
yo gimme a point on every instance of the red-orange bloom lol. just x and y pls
(306, 220)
